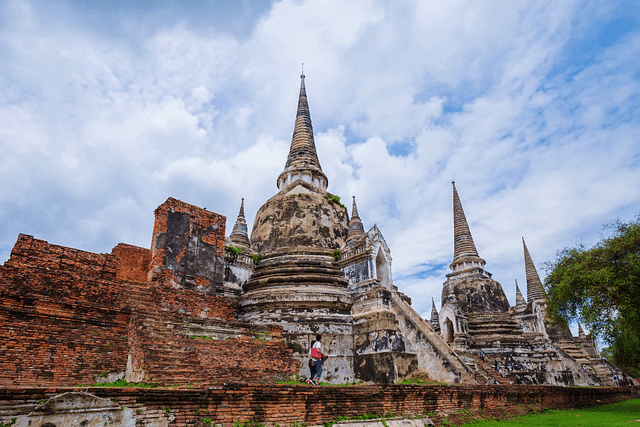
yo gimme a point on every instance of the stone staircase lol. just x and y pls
(420, 334)
(484, 369)
(597, 366)
(494, 330)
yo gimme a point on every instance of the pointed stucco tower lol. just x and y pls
(239, 236)
(291, 218)
(469, 290)
(435, 319)
(466, 260)
(356, 228)
(470, 282)
(302, 162)
(298, 282)
(581, 333)
(535, 291)
(519, 298)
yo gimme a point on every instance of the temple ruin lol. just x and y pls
(201, 307)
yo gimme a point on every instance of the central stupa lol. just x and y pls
(298, 232)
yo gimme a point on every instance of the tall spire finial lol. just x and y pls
(354, 209)
(302, 74)
(465, 254)
(239, 235)
(241, 213)
(463, 245)
(535, 291)
(302, 162)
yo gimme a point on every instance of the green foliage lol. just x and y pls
(121, 383)
(336, 254)
(10, 423)
(257, 258)
(335, 199)
(358, 418)
(600, 286)
(233, 252)
(420, 379)
(615, 415)
(201, 337)
(206, 420)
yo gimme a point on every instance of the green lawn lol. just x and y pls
(616, 415)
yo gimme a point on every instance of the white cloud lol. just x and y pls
(97, 129)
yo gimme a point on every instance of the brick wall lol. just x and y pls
(180, 337)
(68, 316)
(188, 247)
(286, 405)
(62, 315)
(133, 263)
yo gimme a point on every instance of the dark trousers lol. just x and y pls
(312, 368)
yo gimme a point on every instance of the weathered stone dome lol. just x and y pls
(296, 233)
(302, 217)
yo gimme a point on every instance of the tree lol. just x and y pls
(600, 287)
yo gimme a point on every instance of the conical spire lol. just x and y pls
(581, 333)
(465, 254)
(535, 291)
(239, 235)
(354, 209)
(302, 162)
(435, 319)
(519, 298)
(356, 229)
(463, 245)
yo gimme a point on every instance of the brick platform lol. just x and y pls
(287, 405)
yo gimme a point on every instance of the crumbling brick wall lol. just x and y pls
(68, 316)
(187, 250)
(133, 263)
(62, 315)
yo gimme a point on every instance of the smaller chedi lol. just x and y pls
(198, 305)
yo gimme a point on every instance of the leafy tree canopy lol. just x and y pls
(600, 287)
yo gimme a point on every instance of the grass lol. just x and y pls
(615, 415)
(121, 383)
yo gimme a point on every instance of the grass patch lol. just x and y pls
(625, 413)
(421, 380)
(121, 383)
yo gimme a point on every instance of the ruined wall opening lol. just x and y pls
(382, 270)
(447, 331)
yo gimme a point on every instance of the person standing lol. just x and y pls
(317, 355)
(312, 367)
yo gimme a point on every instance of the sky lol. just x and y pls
(532, 107)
